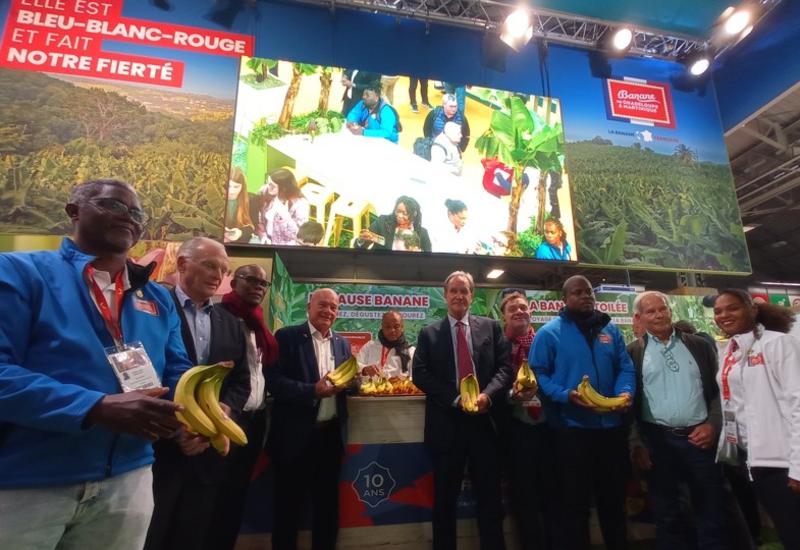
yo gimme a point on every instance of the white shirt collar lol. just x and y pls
(317, 334)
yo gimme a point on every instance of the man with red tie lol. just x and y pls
(447, 351)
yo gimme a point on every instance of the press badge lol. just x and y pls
(133, 367)
(731, 429)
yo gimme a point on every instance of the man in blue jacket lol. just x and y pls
(75, 449)
(374, 117)
(591, 448)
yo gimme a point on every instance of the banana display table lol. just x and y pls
(386, 486)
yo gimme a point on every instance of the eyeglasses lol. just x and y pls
(211, 265)
(254, 281)
(119, 208)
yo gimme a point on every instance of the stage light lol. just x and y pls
(738, 21)
(622, 39)
(517, 29)
(699, 66)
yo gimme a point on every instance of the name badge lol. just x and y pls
(731, 429)
(132, 367)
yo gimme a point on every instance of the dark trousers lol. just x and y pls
(677, 461)
(232, 492)
(746, 498)
(781, 503)
(423, 90)
(314, 474)
(532, 484)
(592, 462)
(183, 515)
(475, 444)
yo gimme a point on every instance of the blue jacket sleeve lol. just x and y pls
(355, 113)
(542, 359)
(28, 398)
(626, 372)
(281, 377)
(177, 361)
(387, 127)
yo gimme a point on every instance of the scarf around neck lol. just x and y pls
(253, 317)
(400, 347)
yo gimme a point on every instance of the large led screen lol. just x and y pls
(347, 158)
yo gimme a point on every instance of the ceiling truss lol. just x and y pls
(557, 27)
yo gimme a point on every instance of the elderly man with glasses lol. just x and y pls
(186, 487)
(249, 286)
(677, 421)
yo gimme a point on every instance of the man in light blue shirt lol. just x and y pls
(677, 421)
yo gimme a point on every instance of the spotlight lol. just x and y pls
(517, 29)
(622, 39)
(699, 66)
(738, 21)
(698, 61)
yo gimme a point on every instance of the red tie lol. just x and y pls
(462, 352)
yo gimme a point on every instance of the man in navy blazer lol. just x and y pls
(446, 351)
(309, 416)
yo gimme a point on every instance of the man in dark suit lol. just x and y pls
(185, 487)
(309, 417)
(447, 351)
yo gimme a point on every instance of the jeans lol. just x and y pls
(676, 460)
(112, 513)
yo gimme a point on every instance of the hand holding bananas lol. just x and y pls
(587, 396)
(525, 386)
(140, 413)
(198, 392)
(338, 379)
(472, 401)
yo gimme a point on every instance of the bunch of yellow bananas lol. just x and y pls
(198, 392)
(526, 379)
(469, 393)
(602, 403)
(344, 373)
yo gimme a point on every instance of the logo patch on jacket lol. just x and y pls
(146, 306)
(604, 338)
(753, 360)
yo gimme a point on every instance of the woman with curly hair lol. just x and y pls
(759, 379)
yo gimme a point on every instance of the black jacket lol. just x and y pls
(434, 372)
(228, 343)
(706, 358)
(385, 226)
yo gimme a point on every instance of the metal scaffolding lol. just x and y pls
(556, 27)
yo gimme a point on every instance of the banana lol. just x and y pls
(192, 415)
(221, 444)
(208, 397)
(469, 393)
(603, 404)
(526, 379)
(344, 373)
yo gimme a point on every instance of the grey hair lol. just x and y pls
(467, 276)
(637, 302)
(188, 249)
(449, 98)
(82, 192)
